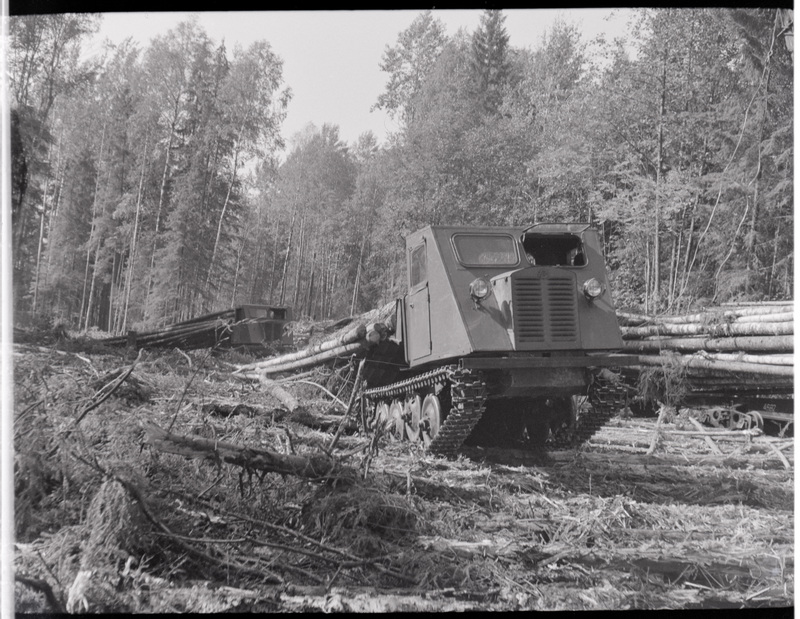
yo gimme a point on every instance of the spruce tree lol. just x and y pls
(490, 63)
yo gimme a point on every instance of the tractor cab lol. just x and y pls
(498, 291)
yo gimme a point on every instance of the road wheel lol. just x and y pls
(413, 408)
(381, 415)
(431, 418)
(396, 423)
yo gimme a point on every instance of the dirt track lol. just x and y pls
(609, 527)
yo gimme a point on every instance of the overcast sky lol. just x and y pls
(331, 58)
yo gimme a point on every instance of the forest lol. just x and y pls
(151, 185)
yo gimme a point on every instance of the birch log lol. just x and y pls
(698, 361)
(783, 343)
(739, 314)
(353, 335)
(720, 330)
(342, 351)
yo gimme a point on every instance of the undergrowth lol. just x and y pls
(113, 524)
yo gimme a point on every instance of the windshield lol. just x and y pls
(486, 250)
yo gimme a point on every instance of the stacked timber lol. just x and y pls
(201, 332)
(742, 350)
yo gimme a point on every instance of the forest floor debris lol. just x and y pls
(106, 521)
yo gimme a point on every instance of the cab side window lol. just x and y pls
(419, 266)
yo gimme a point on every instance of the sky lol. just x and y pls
(331, 58)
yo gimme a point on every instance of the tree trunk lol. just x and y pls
(222, 216)
(317, 466)
(236, 271)
(160, 207)
(287, 256)
(274, 270)
(730, 250)
(659, 162)
(771, 273)
(54, 214)
(91, 231)
(310, 295)
(299, 260)
(41, 235)
(673, 263)
(134, 234)
(358, 276)
(752, 258)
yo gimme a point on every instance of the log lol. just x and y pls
(749, 304)
(376, 332)
(714, 330)
(719, 315)
(700, 374)
(630, 319)
(698, 535)
(747, 358)
(228, 410)
(784, 343)
(279, 393)
(325, 423)
(776, 317)
(698, 361)
(355, 334)
(342, 351)
(317, 466)
(759, 461)
(468, 550)
(745, 381)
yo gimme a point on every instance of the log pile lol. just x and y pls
(355, 339)
(730, 350)
(201, 332)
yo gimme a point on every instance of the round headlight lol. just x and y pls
(592, 289)
(480, 288)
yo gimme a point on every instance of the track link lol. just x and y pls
(607, 396)
(468, 397)
(468, 394)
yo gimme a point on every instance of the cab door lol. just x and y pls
(418, 304)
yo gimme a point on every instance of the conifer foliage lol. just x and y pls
(489, 61)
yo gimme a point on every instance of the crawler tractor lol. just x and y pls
(506, 337)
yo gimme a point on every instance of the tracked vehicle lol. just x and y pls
(506, 336)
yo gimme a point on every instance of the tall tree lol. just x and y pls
(314, 185)
(252, 112)
(489, 62)
(43, 64)
(408, 64)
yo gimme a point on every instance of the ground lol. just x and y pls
(645, 516)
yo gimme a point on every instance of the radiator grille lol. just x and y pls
(545, 311)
